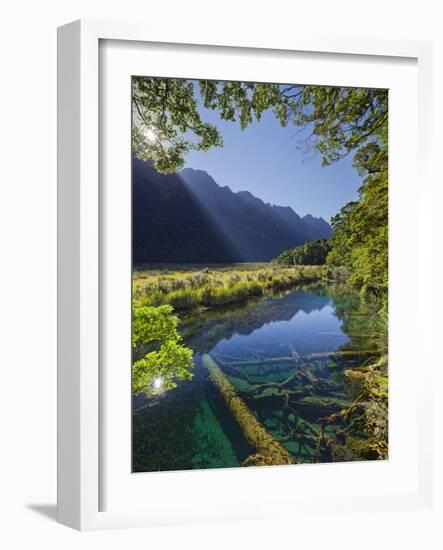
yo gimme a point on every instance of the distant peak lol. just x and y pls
(310, 217)
(199, 177)
(195, 171)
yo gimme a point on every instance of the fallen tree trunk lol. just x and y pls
(343, 353)
(312, 407)
(286, 359)
(247, 362)
(258, 437)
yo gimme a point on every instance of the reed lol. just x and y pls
(217, 286)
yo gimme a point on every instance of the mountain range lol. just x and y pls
(188, 217)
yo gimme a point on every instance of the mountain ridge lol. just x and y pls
(309, 218)
(189, 217)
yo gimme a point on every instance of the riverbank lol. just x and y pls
(190, 287)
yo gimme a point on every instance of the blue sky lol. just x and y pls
(264, 160)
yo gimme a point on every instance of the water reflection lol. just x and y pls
(189, 427)
(316, 331)
(203, 332)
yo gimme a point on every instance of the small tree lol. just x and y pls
(159, 357)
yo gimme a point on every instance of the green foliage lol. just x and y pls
(341, 119)
(360, 230)
(345, 120)
(218, 287)
(309, 253)
(159, 357)
(167, 123)
(165, 117)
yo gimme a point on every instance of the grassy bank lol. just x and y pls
(189, 287)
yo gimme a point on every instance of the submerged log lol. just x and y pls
(264, 361)
(309, 357)
(258, 437)
(275, 398)
(343, 353)
(313, 407)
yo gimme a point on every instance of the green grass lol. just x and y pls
(189, 287)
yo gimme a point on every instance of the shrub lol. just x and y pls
(197, 280)
(160, 358)
(183, 299)
(225, 285)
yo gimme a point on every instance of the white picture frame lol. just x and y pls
(81, 412)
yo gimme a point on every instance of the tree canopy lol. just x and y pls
(360, 229)
(309, 253)
(167, 123)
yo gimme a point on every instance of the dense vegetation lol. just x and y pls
(192, 288)
(360, 229)
(310, 253)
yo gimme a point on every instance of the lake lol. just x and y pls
(258, 346)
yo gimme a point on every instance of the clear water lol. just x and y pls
(190, 427)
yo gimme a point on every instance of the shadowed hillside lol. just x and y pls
(188, 217)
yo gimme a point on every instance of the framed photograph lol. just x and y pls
(238, 230)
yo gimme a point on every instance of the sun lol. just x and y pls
(150, 134)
